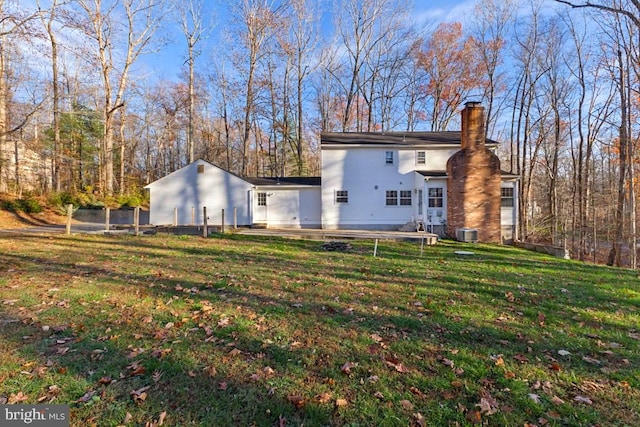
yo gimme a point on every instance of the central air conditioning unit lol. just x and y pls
(468, 235)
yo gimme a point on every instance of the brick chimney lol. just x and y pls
(473, 181)
(473, 126)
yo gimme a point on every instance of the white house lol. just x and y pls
(438, 181)
(180, 198)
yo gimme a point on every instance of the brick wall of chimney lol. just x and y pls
(473, 188)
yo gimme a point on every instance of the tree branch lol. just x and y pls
(617, 10)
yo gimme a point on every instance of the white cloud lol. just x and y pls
(435, 12)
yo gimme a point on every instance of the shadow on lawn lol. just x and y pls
(238, 393)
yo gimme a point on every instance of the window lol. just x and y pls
(420, 199)
(200, 168)
(507, 197)
(342, 196)
(435, 197)
(405, 198)
(392, 198)
(262, 199)
(421, 157)
(388, 157)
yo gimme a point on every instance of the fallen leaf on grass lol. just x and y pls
(534, 397)
(420, 421)
(223, 385)
(323, 397)
(17, 398)
(346, 368)
(341, 403)
(583, 399)
(488, 405)
(297, 400)
(136, 369)
(474, 417)
(591, 360)
(447, 362)
(395, 363)
(406, 405)
(417, 392)
(268, 370)
(564, 353)
(139, 395)
(160, 353)
(86, 397)
(376, 337)
(127, 418)
(557, 401)
(379, 395)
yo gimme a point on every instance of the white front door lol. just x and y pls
(261, 208)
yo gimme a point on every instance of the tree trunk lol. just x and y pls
(614, 254)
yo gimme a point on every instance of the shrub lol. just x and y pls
(30, 205)
(11, 205)
(62, 199)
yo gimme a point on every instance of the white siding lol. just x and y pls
(508, 216)
(363, 173)
(289, 207)
(189, 192)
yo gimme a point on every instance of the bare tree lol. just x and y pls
(255, 26)
(141, 19)
(12, 22)
(194, 29)
(492, 22)
(630, 9)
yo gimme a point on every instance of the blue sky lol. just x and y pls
(166, 64)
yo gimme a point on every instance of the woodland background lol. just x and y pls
(82, 118)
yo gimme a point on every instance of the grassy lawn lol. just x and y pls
(240, 331)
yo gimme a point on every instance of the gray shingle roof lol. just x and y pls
(289, 180)
(393, 138)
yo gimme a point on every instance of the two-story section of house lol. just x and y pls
(443, 181)
(439, 182)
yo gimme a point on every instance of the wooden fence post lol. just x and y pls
(69, 213)
(205, 232)
(235, 218)
(107, 218)
(222, 224)
(136, 220)
(175, 217)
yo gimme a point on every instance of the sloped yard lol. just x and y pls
(242, 330)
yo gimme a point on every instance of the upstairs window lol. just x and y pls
(342, 196)
(506, 197)
(388, 157)
(262, 199)
(421, 157)
(435, 197)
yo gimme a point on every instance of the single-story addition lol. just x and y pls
(442, 182)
